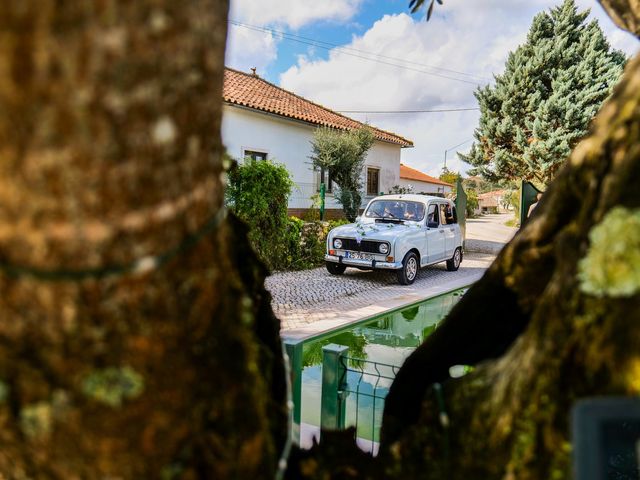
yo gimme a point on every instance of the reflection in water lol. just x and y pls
(389, 339)
(312, 352)
(410, 313)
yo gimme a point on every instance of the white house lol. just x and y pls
(263, 121)
(423, 183)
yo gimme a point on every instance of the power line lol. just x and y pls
(409, 111)
(341, 47)
(360, 53)
(461, 143)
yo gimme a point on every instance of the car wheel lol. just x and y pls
(409, 271)
(335, 268)
(454, 262)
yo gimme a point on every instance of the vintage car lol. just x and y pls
(398, 232)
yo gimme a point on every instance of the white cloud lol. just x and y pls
(292, 13)
(473, 40)
(247, 47)
(250, 48)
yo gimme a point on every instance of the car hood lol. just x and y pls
(374, 231)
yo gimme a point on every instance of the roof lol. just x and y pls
(412, 197)
(409, 173)
(490, 199)
(251, 91)
(494, 193)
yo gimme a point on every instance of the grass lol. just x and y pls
(512, 223)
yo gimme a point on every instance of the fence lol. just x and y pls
(307, 195)
(353, 394)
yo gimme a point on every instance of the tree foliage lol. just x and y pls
(258, 192)
(342, 154)
(541, 106)
(449, 176)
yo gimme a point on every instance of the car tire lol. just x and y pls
(335, 268)
(454, 262)
(409, 271)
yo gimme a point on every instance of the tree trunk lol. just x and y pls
(555, 319)
(563, 300)
(136, 339)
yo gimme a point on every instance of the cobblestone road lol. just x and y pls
(310, 296)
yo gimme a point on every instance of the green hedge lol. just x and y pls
(306, 243)
(258, 192)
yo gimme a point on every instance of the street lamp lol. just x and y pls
(452, 148)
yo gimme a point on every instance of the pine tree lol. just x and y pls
(541, 106)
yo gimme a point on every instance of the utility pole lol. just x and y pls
(452, 148)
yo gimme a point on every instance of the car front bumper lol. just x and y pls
(373, 264)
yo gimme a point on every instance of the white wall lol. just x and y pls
(424, 187)
(289, 142)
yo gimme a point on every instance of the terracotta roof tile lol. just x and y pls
(494, 193)
(409, 173)
(251, 91)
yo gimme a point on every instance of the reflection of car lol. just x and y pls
(398, 232)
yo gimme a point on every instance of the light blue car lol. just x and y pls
(398, 232)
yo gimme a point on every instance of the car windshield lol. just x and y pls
(397, 209)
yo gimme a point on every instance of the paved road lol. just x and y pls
(489, 233)
(313, 301)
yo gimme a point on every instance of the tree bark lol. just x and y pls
(625, 14)
(553, 313)
(136, 339)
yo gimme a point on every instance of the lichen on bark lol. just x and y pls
(110, 170)
(510, 416)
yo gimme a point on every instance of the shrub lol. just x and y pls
(305, 243)
(258, 192)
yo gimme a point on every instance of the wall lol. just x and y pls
(289, 142)
(424, 187)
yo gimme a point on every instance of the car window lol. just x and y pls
(443, 214)
(454, 215)
(400, 209)
(432, 213)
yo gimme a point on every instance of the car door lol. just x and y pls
(435, 236)
(448, 225)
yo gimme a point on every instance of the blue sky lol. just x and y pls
(443, 60)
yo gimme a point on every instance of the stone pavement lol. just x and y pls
(488, 233)
(312, 301)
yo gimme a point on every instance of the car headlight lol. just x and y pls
(337, 243)
(383, 248)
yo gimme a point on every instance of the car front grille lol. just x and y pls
(368, 246)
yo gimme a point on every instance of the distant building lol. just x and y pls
(422, 183)
(263, 121)
(493, 202)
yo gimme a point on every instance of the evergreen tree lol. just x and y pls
(541, 106)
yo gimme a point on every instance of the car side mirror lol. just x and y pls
(432, 225)
(358, 218)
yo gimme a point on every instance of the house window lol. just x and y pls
(255, 155)
(373, 181)
(325, 177)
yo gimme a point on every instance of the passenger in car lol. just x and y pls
(410, 213)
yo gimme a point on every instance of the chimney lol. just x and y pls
(253, 72)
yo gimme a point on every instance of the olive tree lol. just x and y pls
(342, 155)
(136, 338)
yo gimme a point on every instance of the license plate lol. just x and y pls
(359, 256)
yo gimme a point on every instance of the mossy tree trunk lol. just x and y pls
(136, 340)
(559, 314)
(555, 319)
